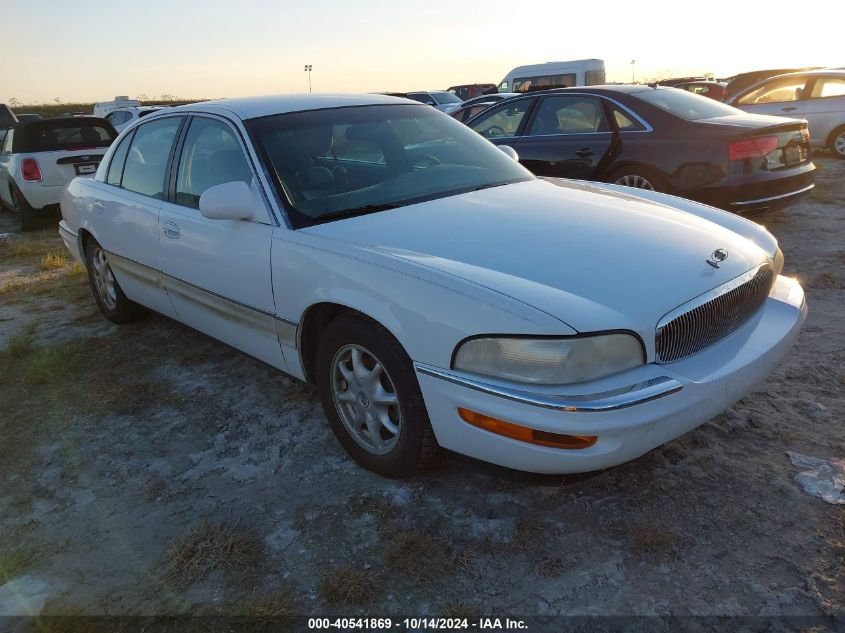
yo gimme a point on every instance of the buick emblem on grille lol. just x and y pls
(718, 256)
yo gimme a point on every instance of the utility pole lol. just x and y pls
(633, 80)
(308, 70)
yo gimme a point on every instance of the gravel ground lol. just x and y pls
(148, 469)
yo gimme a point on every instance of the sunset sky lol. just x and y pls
(96, 49)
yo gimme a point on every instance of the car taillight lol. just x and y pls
(752, 148)
(30, 169)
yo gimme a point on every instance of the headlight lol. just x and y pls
(550, 361)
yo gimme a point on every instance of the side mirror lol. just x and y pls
(510, 152)
(228, 201)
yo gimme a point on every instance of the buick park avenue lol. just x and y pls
(436, 292)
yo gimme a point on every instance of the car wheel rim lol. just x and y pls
(839, 144)
(104, 279)
(366, 399)
(638, 182)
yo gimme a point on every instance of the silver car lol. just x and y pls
(439, 99)
(816, 95)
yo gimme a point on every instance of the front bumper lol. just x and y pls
(630, 413)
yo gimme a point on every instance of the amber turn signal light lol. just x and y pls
(523, 434)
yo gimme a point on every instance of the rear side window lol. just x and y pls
(146, 161)
(117, 161)
(569, 115)
(624, 121)
(211, 156)
(63, 134)
(829, 87)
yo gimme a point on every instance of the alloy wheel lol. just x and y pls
(366, 400)
(638, 182)
(104, 278)
(839, 144)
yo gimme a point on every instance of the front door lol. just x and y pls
(567, 137)
(217, 272)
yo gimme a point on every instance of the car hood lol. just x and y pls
(594, 259)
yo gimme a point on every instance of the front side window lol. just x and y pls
(569, 115)
(118, 160)
(211, 156)
(147, 159)
(341, 162)
(829, 87)
(777, 91)
(502, 120)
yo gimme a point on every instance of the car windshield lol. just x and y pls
(340, 162)
(686, 105)
(445, 97)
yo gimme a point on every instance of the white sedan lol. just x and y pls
(436, 292)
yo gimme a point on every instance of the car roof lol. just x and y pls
(255, 107)
(819, 71)
(605, 88)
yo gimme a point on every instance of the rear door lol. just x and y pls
(568, 136)
(781, 96)
(125, 210)
(825, 108)
(217, 272)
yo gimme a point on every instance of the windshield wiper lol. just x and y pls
(355, 211)
(489, 185)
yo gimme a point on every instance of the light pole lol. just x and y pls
(308, 70)
(633, 61)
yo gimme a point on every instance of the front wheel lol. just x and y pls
(114, 305)
(837, 142)
(371, 398)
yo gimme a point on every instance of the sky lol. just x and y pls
(97, 49)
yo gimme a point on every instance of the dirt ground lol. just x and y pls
(148, 469)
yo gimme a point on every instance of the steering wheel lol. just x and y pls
(428, 161)
(495, 130)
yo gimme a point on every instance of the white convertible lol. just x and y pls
(436, 292)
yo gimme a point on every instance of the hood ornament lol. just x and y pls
(717, 256)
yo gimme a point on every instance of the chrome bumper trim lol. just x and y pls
(772, 198)
(613, 400)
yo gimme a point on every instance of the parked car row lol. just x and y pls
(436, 292)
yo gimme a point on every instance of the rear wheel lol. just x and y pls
(26, 214)
(637, 178)
(114, 305)
(837, 142)
(372, 399)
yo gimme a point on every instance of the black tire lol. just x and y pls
(835, 144)
(416, 446)
(636, 175)
(26, 214)
(117, 308)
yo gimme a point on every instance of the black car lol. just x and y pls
(466, 112)
(656, 138)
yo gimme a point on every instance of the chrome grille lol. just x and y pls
(713, 317)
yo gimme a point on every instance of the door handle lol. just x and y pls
(584, 152)
(789, 109)
(171, 230)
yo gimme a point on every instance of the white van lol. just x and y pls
(103, 108)
(579, 72)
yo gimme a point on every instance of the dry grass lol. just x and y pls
(553, 567)
(528, 535)
(277, 603)
(156, 488)
(348, 585)
(208, 547)
(20, 343)
(420, 556)
(650, 542)
(54, 260)
(458, 610)
(383, 509)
